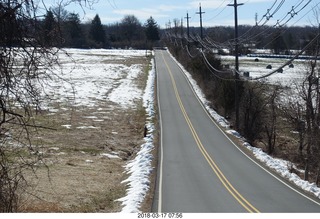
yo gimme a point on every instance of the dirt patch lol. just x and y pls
(84, 156)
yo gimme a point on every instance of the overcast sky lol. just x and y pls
(216, 11)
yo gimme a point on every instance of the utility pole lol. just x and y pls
(256, 18)
(235, 5)
(188, 31)
(181, 27)
(200, 12)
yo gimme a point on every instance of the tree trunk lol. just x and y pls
(318, 176)
(306, 170)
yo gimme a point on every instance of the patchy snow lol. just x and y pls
(87, 127)
(280, 166)
(68, 126)
(111, 156)
(87, 76)
(92, 75)
(127, 92)
(140, 168)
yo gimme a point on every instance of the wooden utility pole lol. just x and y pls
(200, 12)
(188, 30)
(235, 5)
(181, 27)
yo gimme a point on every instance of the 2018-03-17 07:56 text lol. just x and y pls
(159, 215)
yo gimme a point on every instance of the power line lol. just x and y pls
(208, 43)
(295, 10)
(222, 10)
(290, 61)
(113, 4)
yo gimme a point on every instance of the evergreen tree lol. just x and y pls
(74, 34)
(152, 30)
(97, 33)
(49, 28)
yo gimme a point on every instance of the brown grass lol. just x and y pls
(75, 176)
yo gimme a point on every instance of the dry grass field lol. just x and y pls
(87, 145)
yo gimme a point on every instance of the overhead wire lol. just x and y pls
(293, 13)
(216, 70)
(113, 4)
(267, 15)
(268, 10)
(290, 60)
(188, 51)
(203, 44)
(209, 44)
(245, 38)
(268, 18)
(223, 9)
(216, 75)
(279, 23)
(315, 6)
(212, 69)
(283, 31)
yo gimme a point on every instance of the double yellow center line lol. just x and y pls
(242, 201)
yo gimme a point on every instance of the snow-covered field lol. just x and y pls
(288, 77)
(87, 76)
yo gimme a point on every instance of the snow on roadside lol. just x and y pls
(279, 165)
(140, 168)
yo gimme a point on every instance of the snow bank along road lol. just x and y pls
(200, 169)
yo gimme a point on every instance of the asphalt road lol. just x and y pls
(200, 169)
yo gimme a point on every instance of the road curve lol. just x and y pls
(200, 169)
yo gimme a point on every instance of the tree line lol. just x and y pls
(64, 29)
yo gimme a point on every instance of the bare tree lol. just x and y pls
(253, 108)
(310, 97)
(25, 63)
(294, 111)
(304, 115)
(270, 126)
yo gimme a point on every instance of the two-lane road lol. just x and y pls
(200, 169)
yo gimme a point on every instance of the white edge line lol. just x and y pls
(161, 145)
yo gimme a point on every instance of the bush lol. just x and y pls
(252, 110)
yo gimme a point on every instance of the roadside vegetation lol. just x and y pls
(282, 121)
